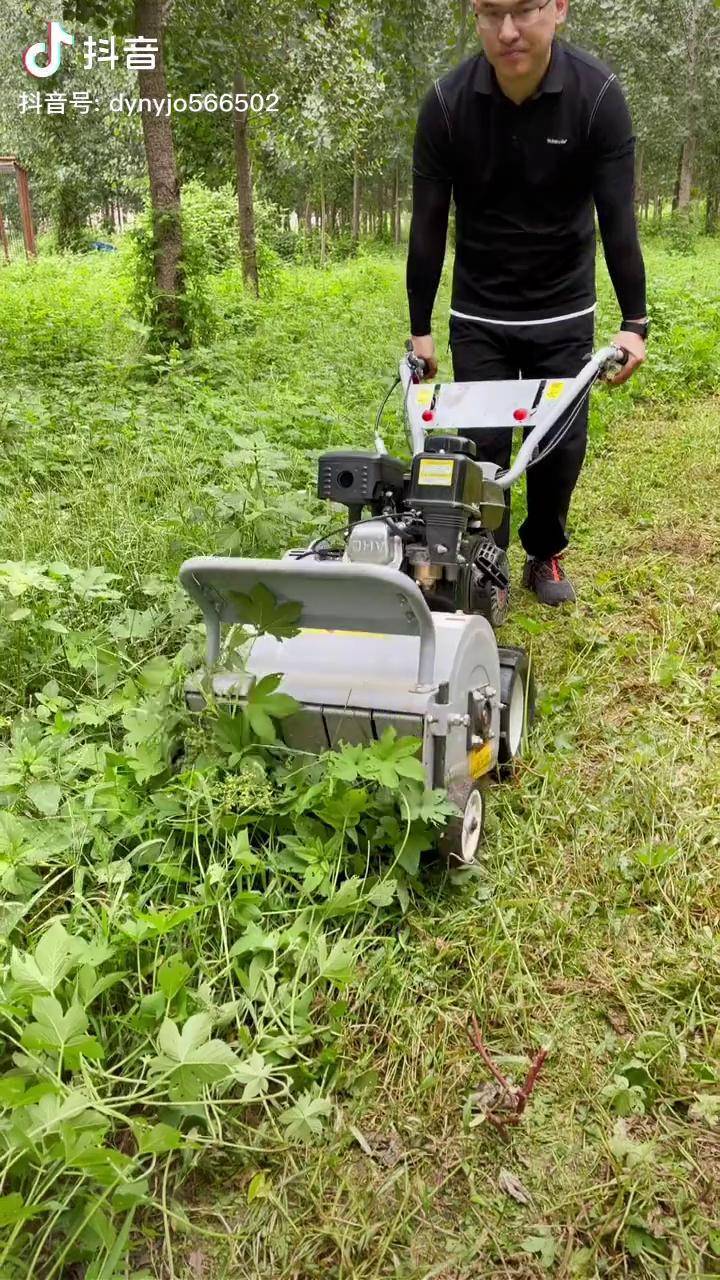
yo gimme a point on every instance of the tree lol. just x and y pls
(147, 18)
(243, 170)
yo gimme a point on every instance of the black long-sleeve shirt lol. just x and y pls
(524, 179)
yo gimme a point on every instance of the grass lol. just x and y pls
(593, 926)
(593, 929)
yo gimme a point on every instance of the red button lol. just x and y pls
(520, 415)
(428, 415)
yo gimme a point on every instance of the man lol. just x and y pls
(527, 137)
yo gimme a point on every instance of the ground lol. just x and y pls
(592, 925)
(593, 929)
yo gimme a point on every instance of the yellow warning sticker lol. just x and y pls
(554, 390)
(436, 471)
(424, 395)
(480, 760)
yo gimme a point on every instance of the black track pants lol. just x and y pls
(484, 352)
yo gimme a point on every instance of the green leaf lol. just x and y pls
(156, 674)
(339, 965)
(46, 797)
(263, 696)
(304, 1120)
(13, 1209)
(654, 856)
(383, 893)
(430, 806)
(162, 922)
(259, 1188)
(56, 954)
(344, 898)
(411, 767)
(261, 609)
(12, 1090)
(418, 840)
(57, 1031)
(624, 1099)
(172, 977)
(530, 626)
(190, 1059)
(261, 724)
(253, 940)
(706, 1108)
(543, 1245)
(255, 1073)
(156, 1139)
(626, 1150)
(18, 576)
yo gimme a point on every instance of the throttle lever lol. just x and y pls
(416, 363)
(620, 358)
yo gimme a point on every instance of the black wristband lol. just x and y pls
(640, 327)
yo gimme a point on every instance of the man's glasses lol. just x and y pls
(490, 18)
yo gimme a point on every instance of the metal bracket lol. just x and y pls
(441, 719)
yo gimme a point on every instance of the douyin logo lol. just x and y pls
(50, 49)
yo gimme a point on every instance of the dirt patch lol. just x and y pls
(688, 544)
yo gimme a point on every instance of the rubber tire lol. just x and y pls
(450, 844)
(514, 665)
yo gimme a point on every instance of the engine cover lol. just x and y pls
(355, 478)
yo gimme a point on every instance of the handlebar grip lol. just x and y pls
(416, 363)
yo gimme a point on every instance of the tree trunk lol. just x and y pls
(357, 195)
(308, 216)
(712, 202)
(164, 184)
(685, 175)
(322, 219)
(3, 237)
(639, 158)
(462, 28)
(398, 222)
(676, 188)
(244, 183)
(658, 208)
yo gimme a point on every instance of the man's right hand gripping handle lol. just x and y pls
(424, 348)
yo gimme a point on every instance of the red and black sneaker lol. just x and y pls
(547, 579)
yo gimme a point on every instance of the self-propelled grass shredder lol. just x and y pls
(397, 627)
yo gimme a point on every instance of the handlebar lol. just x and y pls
(600, 363)
(416, 363)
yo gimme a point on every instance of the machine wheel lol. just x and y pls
(462, 838)
(517, 705)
